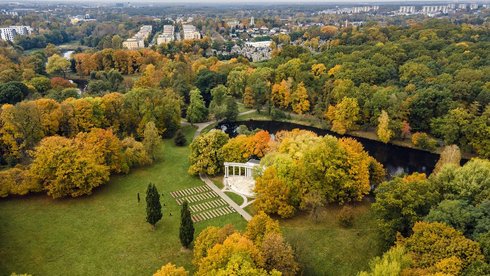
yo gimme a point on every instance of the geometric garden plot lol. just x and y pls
(204, 203)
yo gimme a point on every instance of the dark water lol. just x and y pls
(394, 158)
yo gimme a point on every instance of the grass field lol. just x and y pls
(326, 248)
(104, 233)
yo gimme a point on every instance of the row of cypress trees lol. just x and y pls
(154, 214)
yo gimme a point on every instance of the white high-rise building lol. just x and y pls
(407, 9)
(190, 32)
(462, 6)
(252, 21)
(9, 33)
(435, 9)
(167, 35)
(473, 6)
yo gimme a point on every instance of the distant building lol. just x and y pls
(133, 44)
(407, 9)
(435, 9)
(473, 6)
(462, 6)
(190, 32)
(138, 40)
(167, 36)
(9, 33)
(252, 21)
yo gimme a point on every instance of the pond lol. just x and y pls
(395, 159)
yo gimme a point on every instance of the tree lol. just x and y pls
(248, 97)
(403, 201)
(186, 230)
(153, 205)
(449, 155)
(179, 139)
(458, 214)
(208, 238)
(281, 94)
(12, 92)
(171, 270)
(344, 115)
(392, 263)
(236, 82)
(42, 84)
(57, 65)
(63, 169)
(300, 101)
(152, 140)
(217, 106)
(272, 194)
(116, 42)
(196, 111)
(205, 154)
(149, 79)
(433, 243)
(384, 132)
(231, 111)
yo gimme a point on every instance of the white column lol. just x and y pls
(240, 170)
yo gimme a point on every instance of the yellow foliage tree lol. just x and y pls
(344, 115)
(383, 131)
(281, 94)
(248, 97)
(300, 102)
(171, 270)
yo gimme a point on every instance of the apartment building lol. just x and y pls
(190, 32)
(167, 36)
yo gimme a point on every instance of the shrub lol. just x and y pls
(424, 141)
(346, 217)
(180, 139)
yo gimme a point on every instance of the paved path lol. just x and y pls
(201, 126)
(228, 200)
(207, 181)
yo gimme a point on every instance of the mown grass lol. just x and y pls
(238, 199)
(104, 233)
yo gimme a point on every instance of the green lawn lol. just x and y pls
(325, 248)
(104, 233)
(238, 199)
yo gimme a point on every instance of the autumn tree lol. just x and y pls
(205, 154)
(63, 169)
(236, 82)
(281, 94)
(171, 270)
(57, 65)
(300, 102)
(153, 205)
(449, 155)
(431, 244)
(383, 131)
(392, 263)
(186, 230)
(344, 115)
(273, 194)
(248, 97)
(149, 79)
(152, 140)
(196, 111)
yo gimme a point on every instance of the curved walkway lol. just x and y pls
(228, 200)
(208, 182)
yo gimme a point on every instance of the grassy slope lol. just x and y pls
(325, 248)
(104, 233)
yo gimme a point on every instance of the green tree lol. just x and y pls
(186, 230)
(153, 205)
(403, 201)
(152, 140)
(57, 65)
(196, 111)
(179, 139)
(206, 154)
(392, 263)
(231, 112)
